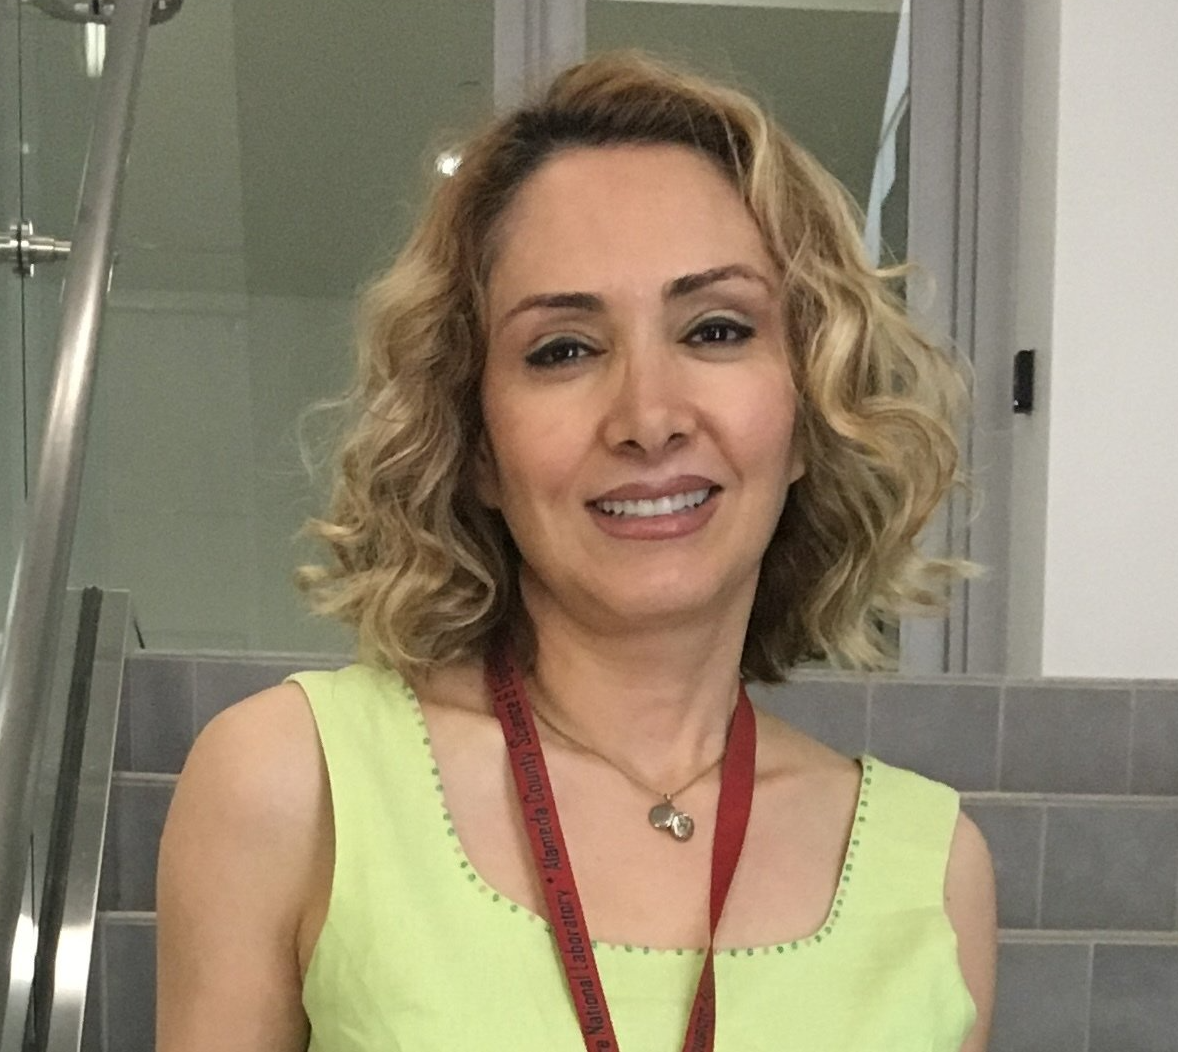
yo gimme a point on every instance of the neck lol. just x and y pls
(658, 701)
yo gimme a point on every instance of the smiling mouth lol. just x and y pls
(649, 509)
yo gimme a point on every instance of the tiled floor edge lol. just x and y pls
(143, 778)
(1086, 937)
(1000, 796)
(259, 657)
(127, 916)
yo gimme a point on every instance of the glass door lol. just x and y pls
(12, 445)
(48, 77)
(276, 166)
(49, 73)
(12, 475)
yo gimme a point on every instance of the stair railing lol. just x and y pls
(36, 601)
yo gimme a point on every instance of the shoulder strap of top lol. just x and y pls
(357, 710)
(384, 787)
(905, 827)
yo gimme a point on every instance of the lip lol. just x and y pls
(658, 527)
(656, 489)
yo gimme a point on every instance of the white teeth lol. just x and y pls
(648, 509)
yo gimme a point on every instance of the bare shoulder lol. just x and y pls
(273, 728)
(253, 802)
(256, 769)
(245, 857)
(971, 908)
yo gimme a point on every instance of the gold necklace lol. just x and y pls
(663, 815)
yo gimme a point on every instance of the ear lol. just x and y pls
(486, 472)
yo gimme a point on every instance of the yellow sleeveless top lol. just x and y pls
(418, 954)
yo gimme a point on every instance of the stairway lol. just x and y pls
(1074, 783)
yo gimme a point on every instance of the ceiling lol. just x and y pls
(287, 155)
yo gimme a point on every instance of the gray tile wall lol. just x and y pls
(1042, 998)
(946, 731)
(125, 1018)
(1015, 834)
(832, 710)
(138, 807)
(1111, 868)
(157, 699)
(1154, 757)
(1047, 736)
(1059, 739)
(1134, 999)
(94, 1010)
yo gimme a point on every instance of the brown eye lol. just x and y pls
(558, 352)
(720, 330)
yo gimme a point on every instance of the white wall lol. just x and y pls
(1098, 288)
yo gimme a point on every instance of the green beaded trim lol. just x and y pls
(466, 867)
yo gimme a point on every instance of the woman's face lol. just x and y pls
(638, 397)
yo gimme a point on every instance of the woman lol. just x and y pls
(634, 419)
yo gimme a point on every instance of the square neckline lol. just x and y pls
(477, 882)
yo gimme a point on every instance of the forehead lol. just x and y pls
(596, 218)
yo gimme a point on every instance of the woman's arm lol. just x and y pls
(244, 872)
(970, 905)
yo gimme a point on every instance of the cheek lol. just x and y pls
(537, 439)
(765, 425)
(771, 449)
(533, 461)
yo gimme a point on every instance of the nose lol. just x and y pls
(650, 409)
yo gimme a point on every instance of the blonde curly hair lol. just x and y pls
(425, 573)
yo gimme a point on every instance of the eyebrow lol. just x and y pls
(674, 289)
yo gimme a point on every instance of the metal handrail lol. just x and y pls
(35, 604)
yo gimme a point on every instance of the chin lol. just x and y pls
(628, 597)
(651, 604)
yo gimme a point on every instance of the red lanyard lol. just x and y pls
(556, 874)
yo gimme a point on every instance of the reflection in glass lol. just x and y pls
(46, 110)
(277, 162)
(12, 470)
(822, 69)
